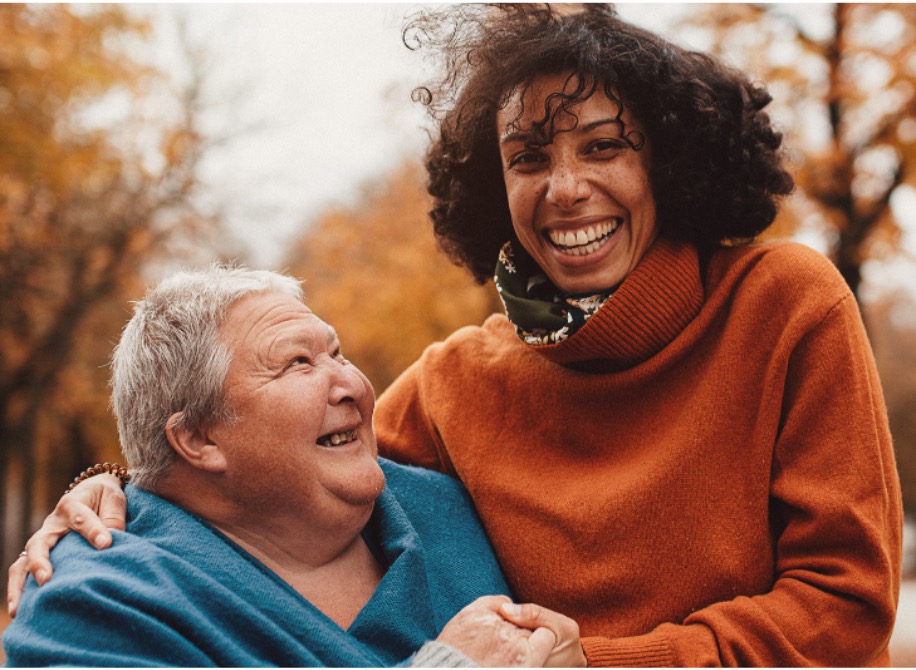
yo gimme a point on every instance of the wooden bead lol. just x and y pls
(117, 470)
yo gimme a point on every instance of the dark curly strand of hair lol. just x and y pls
(716, 172)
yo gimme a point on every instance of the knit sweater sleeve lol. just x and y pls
(835, 509)
(403, 427)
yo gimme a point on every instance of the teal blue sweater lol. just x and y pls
(173, 591)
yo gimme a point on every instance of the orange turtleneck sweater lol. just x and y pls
(701, 475)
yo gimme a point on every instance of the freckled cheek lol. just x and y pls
(522, 204)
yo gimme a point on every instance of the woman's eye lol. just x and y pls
(525, 159)
(606, 147)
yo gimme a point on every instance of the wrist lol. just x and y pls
(115, 469)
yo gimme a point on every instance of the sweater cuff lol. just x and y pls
(645, 651)
(438, 655)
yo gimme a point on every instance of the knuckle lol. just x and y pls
(64, 504)
(531, 611)
(518, 657)
(569, 626)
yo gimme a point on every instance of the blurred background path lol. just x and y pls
(903, 642)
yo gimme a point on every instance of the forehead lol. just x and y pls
(538, 103)
(261, 320)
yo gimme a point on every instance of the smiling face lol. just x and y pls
(581, 205)
(303, 441)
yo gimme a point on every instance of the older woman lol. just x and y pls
(674, 436)
(223, 384)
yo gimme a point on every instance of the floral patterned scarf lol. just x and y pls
(540, 313)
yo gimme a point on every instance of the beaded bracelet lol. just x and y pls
(118, 471)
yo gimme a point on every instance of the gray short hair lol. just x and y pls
(170, 359)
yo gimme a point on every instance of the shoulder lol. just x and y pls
(96, 609)
(467, 358)
(492, 334)
(422, 490)
(493, 343)
(163, 549)
(146, 512)
(152, 526)
(437, 506)
(438, 509)
(785, 276)
(782, 262)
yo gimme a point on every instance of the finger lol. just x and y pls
(113, 509)
(527, 615)
(69, 514)
(541, 645)
(489, 603)
(82, 519)
(567, 650)
(94, 504)
(19, 572)
(38, 553)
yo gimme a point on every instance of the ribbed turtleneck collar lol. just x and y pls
(646, 312)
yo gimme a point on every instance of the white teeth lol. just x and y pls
(586, 241)
(336, 439)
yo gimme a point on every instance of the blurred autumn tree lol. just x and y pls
(894, 337)
(843, 78)
(372, 270)
(83, 206)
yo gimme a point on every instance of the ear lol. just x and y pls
(196, 447)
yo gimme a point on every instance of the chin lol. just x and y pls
(369, 485)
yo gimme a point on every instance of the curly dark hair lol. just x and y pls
(716, 170)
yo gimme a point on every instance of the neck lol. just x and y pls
(333, 568)
(340, 583)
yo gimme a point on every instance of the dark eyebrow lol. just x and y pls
(526, 137)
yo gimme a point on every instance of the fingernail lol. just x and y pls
(41, 576)
(100, 541)
(511, 609)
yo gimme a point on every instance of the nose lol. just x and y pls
(347, 383)
(567, 186)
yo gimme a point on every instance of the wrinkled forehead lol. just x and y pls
(267, 316)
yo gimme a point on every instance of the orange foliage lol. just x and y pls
(845, 98)
(79, 215)
(374, 273)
